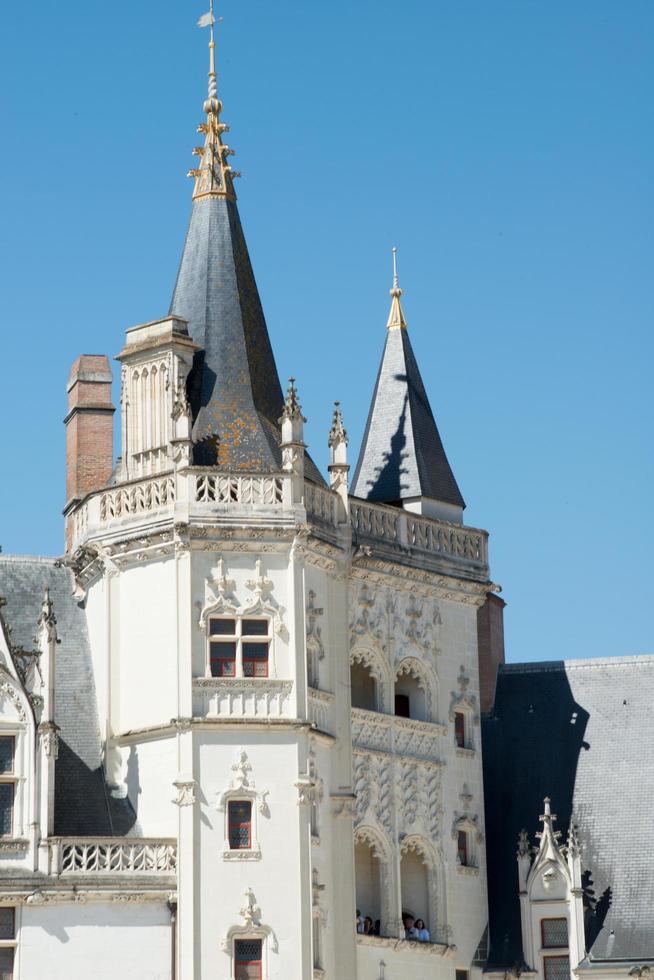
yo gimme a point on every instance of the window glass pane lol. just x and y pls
(254, 627)
(7, 923)
(459, 729)
(6, 808)
(6, 753)
(223, 659)
(557, 968)
(462, 847)
(247, 956)
(222, 627)
(6, 964)
(240, 819)
(255, 651)
(555, 932)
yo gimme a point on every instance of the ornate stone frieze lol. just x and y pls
(185, 786)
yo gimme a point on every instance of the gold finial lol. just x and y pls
(396, 319)
(214, 177)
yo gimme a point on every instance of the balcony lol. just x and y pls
(112, 856)
(397, 736)
(200, 495)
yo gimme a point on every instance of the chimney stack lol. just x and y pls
(89, 428)
(490, 640)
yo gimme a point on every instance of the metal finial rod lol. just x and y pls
(395, 279)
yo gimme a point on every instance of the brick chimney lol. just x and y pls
(490, 642)
(89, 428)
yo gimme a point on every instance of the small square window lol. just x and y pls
(247, 959)
(6, 809)
(223, 659)
(255, 627)
(6, 963)
(7, 923)
(240, 825)
(554, 932)
(7, 750)
(462, 847)
(462, 975)
(557, 968)
(460, 729)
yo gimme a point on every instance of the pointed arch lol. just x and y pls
(371, 658)
(426, 679)
(422, 848)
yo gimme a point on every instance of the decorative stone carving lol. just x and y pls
(48, 734)
(185, 791)
(218, 595)
(463, 701)
(252, 926)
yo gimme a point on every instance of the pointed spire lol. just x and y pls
(337, 433)
(214, 176)
(292, 408)
(396, 319)
(402, 460)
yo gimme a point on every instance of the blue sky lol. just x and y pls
(505, 147)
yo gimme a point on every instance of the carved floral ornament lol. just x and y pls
(220, 598)
(251, 928)
(242, 786)
(463, 701)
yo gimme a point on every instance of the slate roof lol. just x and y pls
(581, 732)
(83, 806)
(402, 454)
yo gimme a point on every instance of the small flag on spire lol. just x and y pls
(206, 20)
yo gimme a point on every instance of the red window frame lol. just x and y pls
(460, 729)
(237, 824)
(248, 969)
(550, 959)
(554, 918)
(462, 848)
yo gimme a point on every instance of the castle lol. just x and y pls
(243, 718)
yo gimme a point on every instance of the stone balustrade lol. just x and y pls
(241, 697)
(198, 494)
(112, 855)
(405, 737)
(320, 706)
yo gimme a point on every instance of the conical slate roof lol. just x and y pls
(235, 392)
(234, 388)
(402, 455)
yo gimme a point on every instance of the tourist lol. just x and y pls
(368, 926)
(359, 921)
(423, 933)
(410, 931)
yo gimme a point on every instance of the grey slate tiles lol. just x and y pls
(580, 732)
(402, 455)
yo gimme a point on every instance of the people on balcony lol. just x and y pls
(423, 933)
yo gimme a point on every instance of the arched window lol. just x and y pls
(414, 880)
(364, 687)
(415, 690)
(368, 875)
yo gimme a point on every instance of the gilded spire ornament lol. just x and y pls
(396, 319)
(214, 177)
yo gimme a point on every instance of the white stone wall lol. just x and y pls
(102, 941)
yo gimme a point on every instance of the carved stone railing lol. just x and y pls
(464, 547)
(112, 855)
(240, 697)
(404, 737)
(138, 498)
(224, 488)
(321, 504)
(320, 707)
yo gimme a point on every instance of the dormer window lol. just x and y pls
(7, 784)
(239, 647)
(554, 933)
